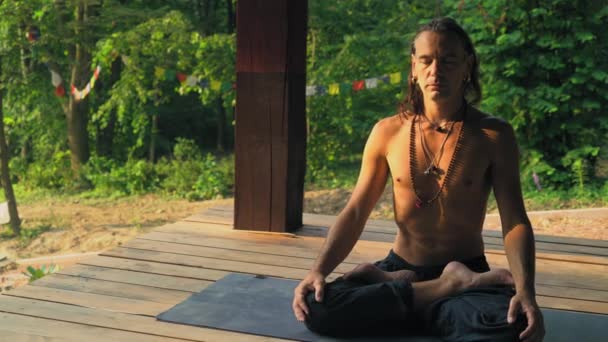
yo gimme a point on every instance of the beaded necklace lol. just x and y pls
(420, 202)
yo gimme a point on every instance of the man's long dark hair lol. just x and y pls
(414, 102)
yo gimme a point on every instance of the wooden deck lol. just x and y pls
(116, 295)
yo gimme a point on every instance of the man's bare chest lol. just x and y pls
(462, 165)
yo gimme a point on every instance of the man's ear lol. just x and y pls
(413, 65)
(470, 62)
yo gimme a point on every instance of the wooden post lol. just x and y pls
(270, 134)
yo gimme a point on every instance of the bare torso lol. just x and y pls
(450, 227)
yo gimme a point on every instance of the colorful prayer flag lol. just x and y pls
(226, 86)
(358, 85)
(191, 80)
(96, 72)
(334, 89)
(311, 90)
(216, 85)
(371, 83)
(60, 90)
(169, 74)
(181, 77)
(33, 34)
(159, 73)
(55, 79)
(395, 78)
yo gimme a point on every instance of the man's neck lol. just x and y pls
(450, 110)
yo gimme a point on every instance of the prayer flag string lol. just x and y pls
(184, 79)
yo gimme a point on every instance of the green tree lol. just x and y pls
(348, 41)
(544, 69)
(6, 47)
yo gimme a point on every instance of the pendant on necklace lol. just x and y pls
(430, 170)
(418, 203)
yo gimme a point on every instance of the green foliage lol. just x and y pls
(543, 68)
(188, 175)
(110, 178)
(341, 36)
(579, 162)
(533, 162)
(192, 176)
(53, 173)
(186, 149)
(37, 273)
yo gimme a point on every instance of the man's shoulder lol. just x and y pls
(499, 133)
(390, 125)
(489, 122)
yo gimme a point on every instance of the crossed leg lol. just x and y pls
(371, 301)
(454, 278)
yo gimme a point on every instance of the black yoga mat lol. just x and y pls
(262, 306)
(250, 304)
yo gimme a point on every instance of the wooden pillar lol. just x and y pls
(270, 133)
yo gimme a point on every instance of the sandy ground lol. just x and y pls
(83, 226)
(332, 201)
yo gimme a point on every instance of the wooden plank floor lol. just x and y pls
(116, 295)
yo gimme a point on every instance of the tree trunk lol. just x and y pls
(221, 122)
(221, 119)
(231, 23)
(77, 111)
(105, 135)
(15, 221)
(153, 133)
(22, 52)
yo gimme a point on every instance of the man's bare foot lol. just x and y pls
(371, 274)
(463, 278)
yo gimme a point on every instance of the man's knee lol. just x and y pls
(479, 315)
(348, 309)
(316, 320)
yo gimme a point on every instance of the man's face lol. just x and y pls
(440, 65)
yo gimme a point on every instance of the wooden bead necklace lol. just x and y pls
(420, 202)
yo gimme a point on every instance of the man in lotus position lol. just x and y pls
(444, 156)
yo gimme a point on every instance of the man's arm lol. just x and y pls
(345, 232)
(517, 230)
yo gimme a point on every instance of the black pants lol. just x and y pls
(351, 308)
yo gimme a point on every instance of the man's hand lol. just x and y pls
(525, 302)
(314, 281)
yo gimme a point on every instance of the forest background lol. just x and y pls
(160, 116)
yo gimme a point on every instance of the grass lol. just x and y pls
(341, 177)
(26, 235)
(88, 197)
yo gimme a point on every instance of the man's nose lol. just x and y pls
(435, 68)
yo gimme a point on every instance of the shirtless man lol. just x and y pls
(444, 156)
